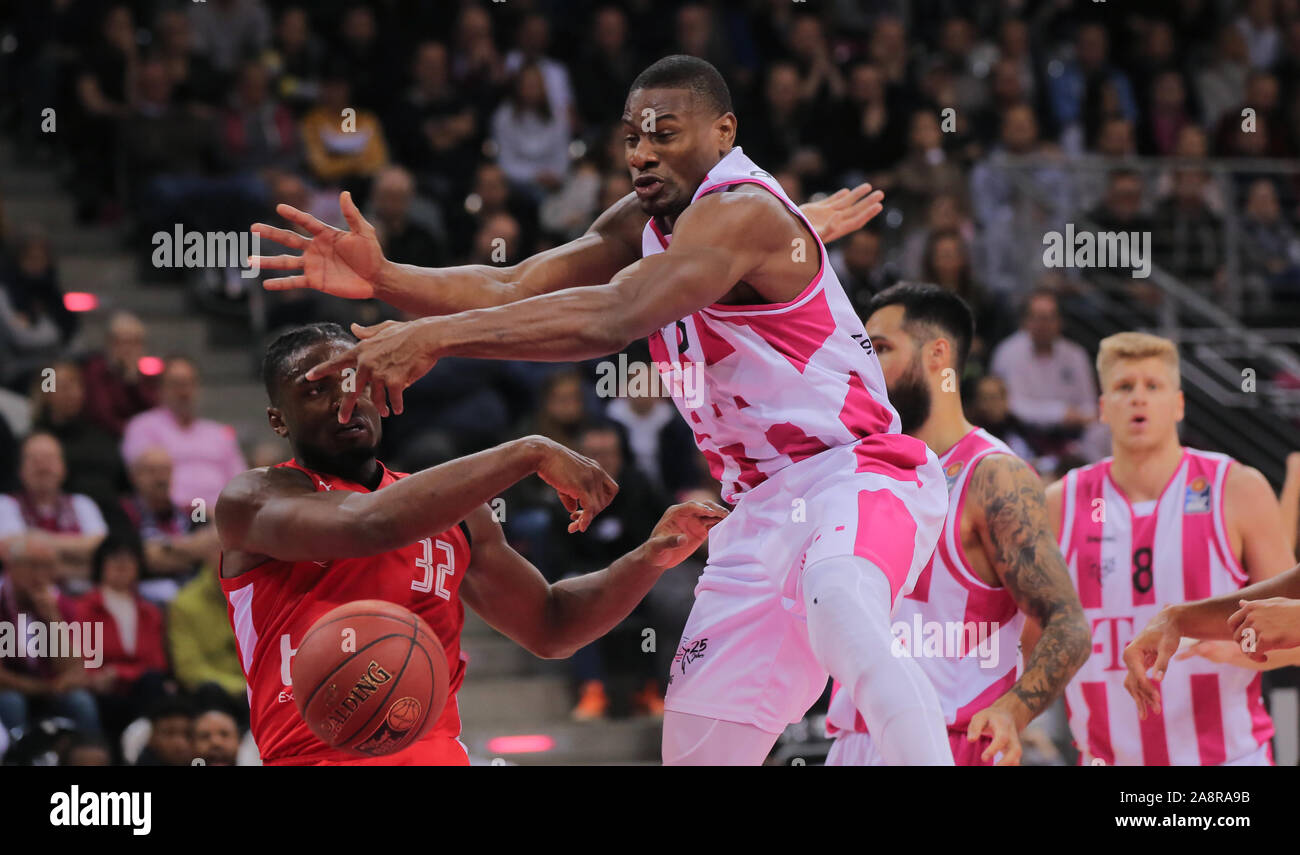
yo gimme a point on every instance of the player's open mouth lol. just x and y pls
(354, 427)
(647, 186)
(1138, 420)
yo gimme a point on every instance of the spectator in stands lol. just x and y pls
(776, 136)
(134, 669)
(659, 441)
(1270, 252)
(435, 128)
(258, 132)
(995, 195)
(476, 65)
(34, 687)
(346, 150)
(204, 654)
(1221, 85)
(532, 138)
(625, 522)
(216, 738)
(1187, 237)
(990, 409)
(71, 522)
(403, 238)
(366, 60)
(90, 453)
(229, 31)
(116, 389)
(948, 265)
(1258, 27)
(174, 544)
(926, 171)
(171, 734)
(1170, 112)
(204, 453)
(945, 213)
(865, 134)
(1074, 89)
(861, 269)
(1264, 135)
(34, 325)
(102, 97)
(532, 40)
(296, 60)
(1048, 377)
(194, 80)
(609, 64)
(87, 750)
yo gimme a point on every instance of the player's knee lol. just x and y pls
(847, 601)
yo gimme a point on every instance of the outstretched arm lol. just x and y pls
(1018, 540)
(719, 240)
(277, 512)
(351, 264)
(553, 621)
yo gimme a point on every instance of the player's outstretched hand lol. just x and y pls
(681, 530)
(1151, 648)
(1000, 725)
(844, 211)
(343, 263)
(389, 358)
(582, 485)
(1269, 624)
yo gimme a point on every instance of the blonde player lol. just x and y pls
(996, 566)
(1154, 525)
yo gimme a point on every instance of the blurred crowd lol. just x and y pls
(483, 133)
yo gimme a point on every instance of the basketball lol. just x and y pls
(370, 678)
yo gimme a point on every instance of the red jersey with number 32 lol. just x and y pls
(273, 605)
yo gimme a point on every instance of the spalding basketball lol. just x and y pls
(370, 678)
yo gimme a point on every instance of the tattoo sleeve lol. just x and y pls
(1019, 543)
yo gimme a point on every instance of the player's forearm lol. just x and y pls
(1208, 619)
(1060, 651)
(426, 291)
(436, 499)
(584, 608)
(565, 326)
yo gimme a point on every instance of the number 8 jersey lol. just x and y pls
(1127, 560)
(273, 605)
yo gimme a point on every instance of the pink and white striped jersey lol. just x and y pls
(1127, 561)
(778, 382)
(977, 657)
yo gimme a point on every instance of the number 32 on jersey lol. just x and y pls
(424, 563)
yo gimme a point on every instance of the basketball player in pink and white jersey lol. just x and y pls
(1154, 525)
(837, 511)
(996, 566)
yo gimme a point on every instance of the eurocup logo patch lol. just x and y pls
(1197, 500)
(951, 473)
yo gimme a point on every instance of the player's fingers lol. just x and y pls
(858, 193)
(975, 727)
(1164, 652)
(395, 398)
(284, 237)
(333, 366)
(378, 397)
(1012, 753)
(352, 214)
(276, 262)
(1236, 618)
(349, 402)
(286, 283)
(302, 218)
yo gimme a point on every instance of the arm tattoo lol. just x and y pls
(1024, 554)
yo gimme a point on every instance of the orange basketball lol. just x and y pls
(370, 678)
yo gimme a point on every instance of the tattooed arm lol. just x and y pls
(1011, 519)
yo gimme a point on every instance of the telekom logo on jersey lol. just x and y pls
(431, 579)
(1114, 633)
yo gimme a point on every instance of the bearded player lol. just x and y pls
(334, 525)
(1158, 524)
(837, 510)
(996, 565)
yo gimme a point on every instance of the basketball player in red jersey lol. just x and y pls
(334, 525)
(1153, 527)
(997, 565)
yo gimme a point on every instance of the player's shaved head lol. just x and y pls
(691, 73)
(281, 351)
